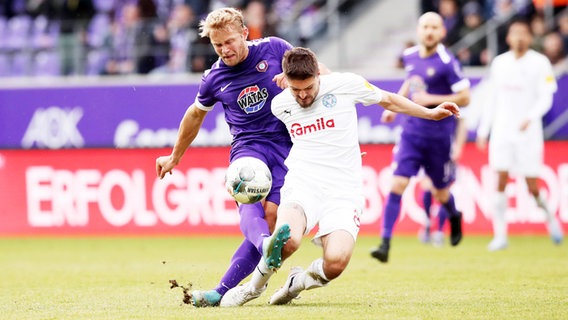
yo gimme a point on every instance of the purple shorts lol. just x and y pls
(432, 154)
(271, 152)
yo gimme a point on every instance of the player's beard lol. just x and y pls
(306, 102)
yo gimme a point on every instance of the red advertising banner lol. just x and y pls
(115, 191)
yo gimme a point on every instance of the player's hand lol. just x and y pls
(164, 165)
(388, 116)
(481, 143)
(444, 110)
(280, 80)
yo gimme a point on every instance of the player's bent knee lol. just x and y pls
(334, 268)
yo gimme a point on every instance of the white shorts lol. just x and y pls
(522, 157)
(322, 208)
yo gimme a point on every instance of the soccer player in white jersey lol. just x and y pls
(522, 86)
(324, 184)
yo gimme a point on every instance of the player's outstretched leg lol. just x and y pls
(272, 246)
(209, 298)
(240, 295)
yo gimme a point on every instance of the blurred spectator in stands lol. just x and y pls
(539, 30)
(562, 23)
(428, 5)
(73, 17)
(553, 49)
(473, 19)
(255, 14)
(130, 42)
(312, 22)
(157, 52)
(451, 15)
(557, 5)
(181, 34)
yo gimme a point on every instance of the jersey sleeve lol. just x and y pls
(546, 86)
(205, 100)
(456, 78)
(365, 92)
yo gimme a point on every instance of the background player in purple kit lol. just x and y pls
(244, 80)
(433, 76)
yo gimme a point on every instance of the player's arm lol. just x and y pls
(388, 116)
(461, 138)
(397, 103)
(188, 130)
(545, 88)
(461, 98)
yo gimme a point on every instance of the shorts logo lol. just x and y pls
(356, 219)
(297, 130)
(262, 66)
(329, 100)
(252, 99)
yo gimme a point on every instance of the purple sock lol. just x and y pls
(253, 225)
(242, 264)
(442, 216)
(392, 211)
(427, 202)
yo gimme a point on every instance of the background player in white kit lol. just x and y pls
(522, 85)
(324, 184)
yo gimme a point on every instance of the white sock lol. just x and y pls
(499, 221)
(314, 277)
(261, 275)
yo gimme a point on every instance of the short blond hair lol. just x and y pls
(222, 18)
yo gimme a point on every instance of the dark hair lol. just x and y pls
(300, 64)
(521, 21)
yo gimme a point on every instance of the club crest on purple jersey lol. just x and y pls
(262, 66)
(252, 99)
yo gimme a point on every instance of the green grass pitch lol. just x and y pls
(127, 278)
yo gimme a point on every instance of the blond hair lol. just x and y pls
(223, 18)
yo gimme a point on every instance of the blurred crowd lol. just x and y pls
(462, 17)
(120, 37)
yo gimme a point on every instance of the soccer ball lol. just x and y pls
(248, 180)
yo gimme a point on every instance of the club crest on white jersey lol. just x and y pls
(329, 100)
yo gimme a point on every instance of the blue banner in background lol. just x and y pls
(133, 116)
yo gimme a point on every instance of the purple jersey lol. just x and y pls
(246, 91)
(439, 73)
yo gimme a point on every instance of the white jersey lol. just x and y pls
(325, 135)
(520, 89)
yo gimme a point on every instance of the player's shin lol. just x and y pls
(499, 221)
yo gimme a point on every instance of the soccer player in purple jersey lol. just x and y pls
(433, 76)
(244, 80)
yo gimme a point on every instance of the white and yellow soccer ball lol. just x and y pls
(248, 180)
